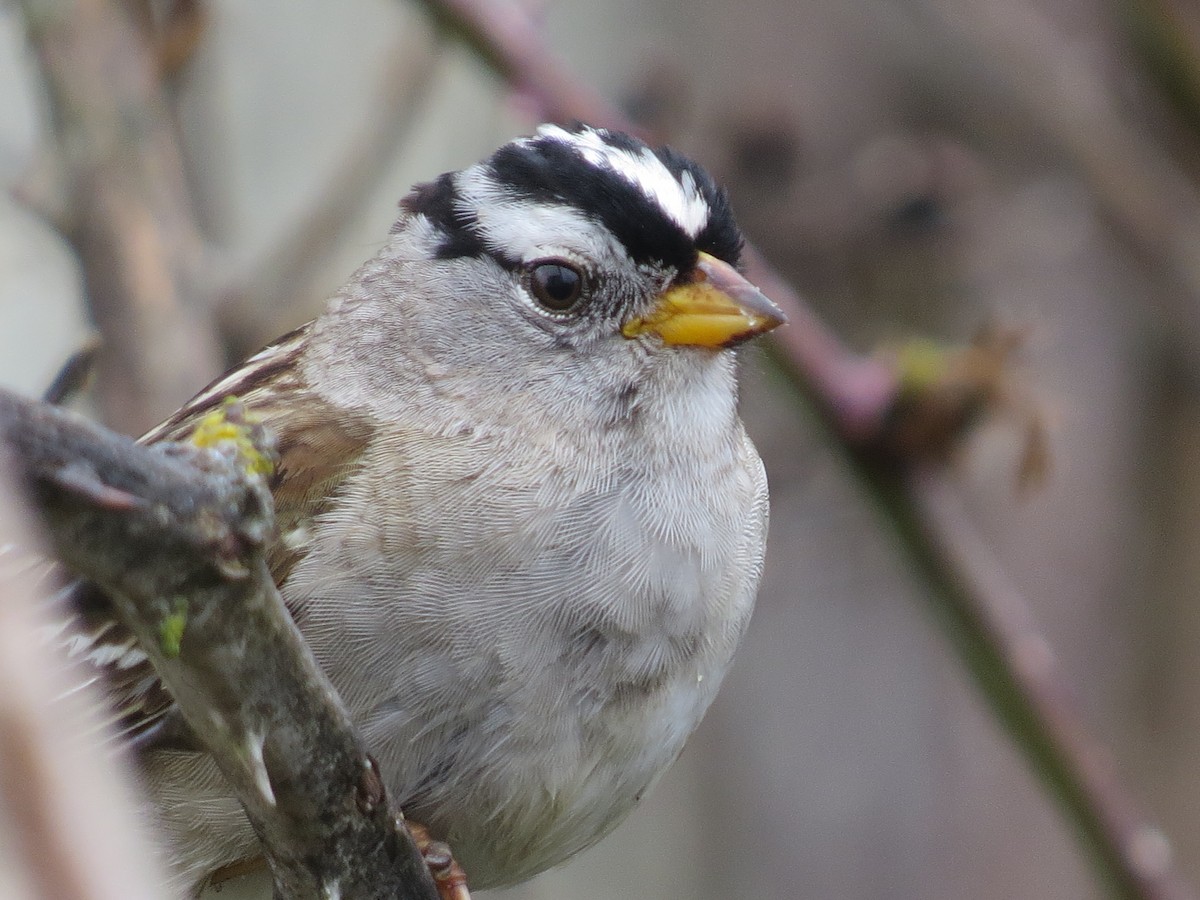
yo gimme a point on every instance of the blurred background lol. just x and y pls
(925, 167)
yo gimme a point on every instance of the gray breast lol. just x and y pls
(530, 643)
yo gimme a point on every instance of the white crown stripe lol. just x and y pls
(678, 198)
(525, 228)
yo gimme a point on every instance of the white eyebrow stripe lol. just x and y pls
(678, 198)
(527, 228)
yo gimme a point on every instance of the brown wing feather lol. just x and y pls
(319, 446)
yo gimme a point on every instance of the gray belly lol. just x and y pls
(523, 680)
(524, 660)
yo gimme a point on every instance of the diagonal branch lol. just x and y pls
(506, 37)
(1004, 647)
(67, 818)
(176, 535)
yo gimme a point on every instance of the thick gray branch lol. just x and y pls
(176, 535)
(68, 828)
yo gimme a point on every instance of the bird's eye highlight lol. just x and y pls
(556, 285)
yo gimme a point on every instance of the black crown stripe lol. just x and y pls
(547, 170)
(439, 201)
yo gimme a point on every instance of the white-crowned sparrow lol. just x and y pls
(521, 524)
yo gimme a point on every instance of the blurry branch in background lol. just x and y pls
(505, 36)
(176, 536)
(126, 208)
(67, 819)
(267, 302)
(870, 404)
(154, 288)
(1055, 82)
(175, 28)
(1167, 32)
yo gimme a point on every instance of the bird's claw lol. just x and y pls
(447, 874)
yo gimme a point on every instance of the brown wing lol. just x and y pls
(318, 448)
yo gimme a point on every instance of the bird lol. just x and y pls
(520, 523)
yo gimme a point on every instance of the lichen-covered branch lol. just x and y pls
(68, 827)
(176, 534)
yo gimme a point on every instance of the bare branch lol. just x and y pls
(508, 39)
(176, 535)
(1057, 85)
(65, 802)
(1004, 647)
(129, 215)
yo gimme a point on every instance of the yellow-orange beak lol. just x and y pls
(713, 306)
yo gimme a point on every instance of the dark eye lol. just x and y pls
(556, 285)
